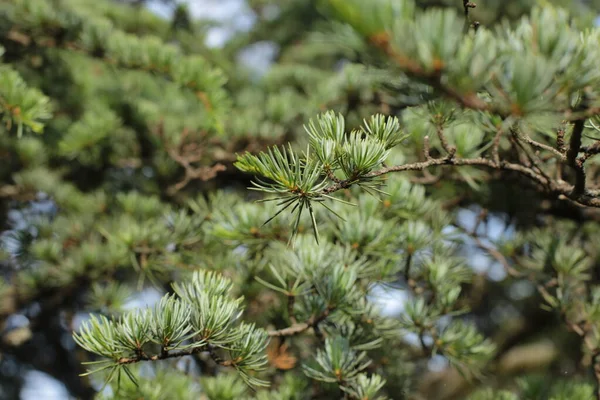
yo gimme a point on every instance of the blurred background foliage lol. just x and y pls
(131, 186)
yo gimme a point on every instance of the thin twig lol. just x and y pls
(542, 146)
(496, 147)
(596, 366)
(560, 139)
(450, 150)
(574, 147)
(419, 166)
(468, 5)
(298, 328)
(588, 151)
(534, 160)
(555, 187)
(290, 307)
(407, 266)
(426, 150)
(331, 176)
(141, 356)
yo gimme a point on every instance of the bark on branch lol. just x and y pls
(557, 187)
(298, 328)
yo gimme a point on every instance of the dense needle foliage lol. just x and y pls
(404, 206)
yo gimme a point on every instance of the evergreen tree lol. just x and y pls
(441, 155)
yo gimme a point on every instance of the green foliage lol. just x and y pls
(201, 319)
(337, 363)
(22, 106)
(161, 386)
(422, 216)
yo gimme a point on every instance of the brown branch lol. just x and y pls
(419, 166)
(541, 146)
(450, 150)
(574, 148)
(591, 150)
(296, 329)
(203, 173)
(141, 356)
(426, 149)
(582, 113)
(496, 147)
(331, 175)
(534, 160)
(554, 187)
(185, 154)
(290, 308)
(588, 151)
(560, 139)
(467, 5)
(596, 366)
(407, 266)
(520, 151)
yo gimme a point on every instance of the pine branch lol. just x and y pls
(163, 356)
(560, 155)
(596, 369)
(296, 329)
(552, 186)
(450, 150)
(186, 154)
(290, 308)
(418, 166)
(574, 148)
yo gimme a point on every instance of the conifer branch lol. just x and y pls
(162, 356)
(552, 186)
(450, 150)
(574, 162)
(298, 328)
(560, 155)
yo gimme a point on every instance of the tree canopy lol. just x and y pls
(404, 206)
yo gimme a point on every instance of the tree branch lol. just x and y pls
(164, 355)
(450, 150)
(496, 147)
(419, 166)
(596, 366)
(562, 189)
(290, 308)
(295, 329)
(588, 151)
(574, 148)
(561, 156)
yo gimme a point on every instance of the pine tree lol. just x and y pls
(441, 155)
